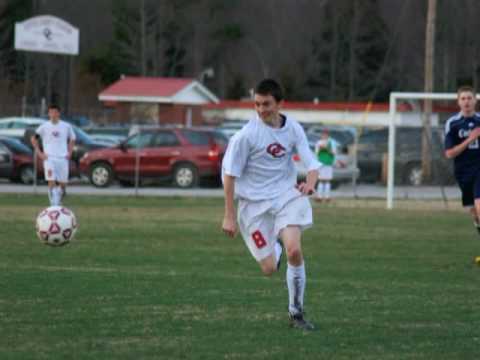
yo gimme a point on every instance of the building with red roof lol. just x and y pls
(157, 100)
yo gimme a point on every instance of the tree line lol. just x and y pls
(342, 50)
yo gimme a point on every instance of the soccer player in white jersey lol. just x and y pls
(258, 171)
(58, 140)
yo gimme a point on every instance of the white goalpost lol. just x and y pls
(393, 122)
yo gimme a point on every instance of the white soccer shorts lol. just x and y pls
(325, 172)
(260, 222)
(56, 169)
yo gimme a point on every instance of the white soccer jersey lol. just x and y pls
(55, 138)
(261, 159)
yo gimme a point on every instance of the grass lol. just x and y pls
(154, 278)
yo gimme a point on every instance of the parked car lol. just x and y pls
(344, 169)
(181, 154)
(373, 148)
(16, 126)
(6, 161)
(107, 140)
(230, 127)
(78, 120)
(119, 130)
(83, 141)
(22, 165)
(21, 161)
(344, 136)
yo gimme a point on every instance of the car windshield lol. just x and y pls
(197, 137)
(16, 146)
(82, 136)
(220, 138)
(140, 141)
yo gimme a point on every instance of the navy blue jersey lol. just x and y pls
(457, 129)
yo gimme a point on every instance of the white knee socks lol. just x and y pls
(296, 280)
(323, 189)
(55, 196)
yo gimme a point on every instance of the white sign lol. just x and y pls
(47, 34)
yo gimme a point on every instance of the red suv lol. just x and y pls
(181, 154)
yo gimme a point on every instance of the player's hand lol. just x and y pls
(68, 156)
(305, 188)
(229, 226)
(474, 134)
(42, 156)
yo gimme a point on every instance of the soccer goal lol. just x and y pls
(414, 150)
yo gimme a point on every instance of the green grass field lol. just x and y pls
(154, 278)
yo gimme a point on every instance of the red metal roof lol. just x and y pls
(147, 86)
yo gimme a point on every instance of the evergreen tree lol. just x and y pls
(349, 52)
(12, 62)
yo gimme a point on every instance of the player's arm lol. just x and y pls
(458, 149)
(229, 225)
(35, 143)
(312, 165)
(233, 164)
(308, 187)
(71, 142)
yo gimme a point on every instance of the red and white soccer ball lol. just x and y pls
(56, 225)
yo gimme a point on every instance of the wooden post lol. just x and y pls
(429, 81)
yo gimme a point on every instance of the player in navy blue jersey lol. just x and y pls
(463, 146)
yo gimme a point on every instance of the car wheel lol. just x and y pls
(101, 175)
(185, 176)
(414, 175)
(26, 175)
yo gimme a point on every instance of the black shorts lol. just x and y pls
(470, 188)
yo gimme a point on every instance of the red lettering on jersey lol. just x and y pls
(258, 239)
(276, 150)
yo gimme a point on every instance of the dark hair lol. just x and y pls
(270, 87)
(466, 88)
(54, 106)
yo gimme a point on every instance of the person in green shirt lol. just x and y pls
(325, 149)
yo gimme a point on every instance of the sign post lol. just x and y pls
(46, 34)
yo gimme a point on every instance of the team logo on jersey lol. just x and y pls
(55, 134)
(276, 150)
(462, 133)
(470, 125)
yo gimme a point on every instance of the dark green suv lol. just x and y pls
(373, 148)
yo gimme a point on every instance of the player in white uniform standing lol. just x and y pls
(258, 170)
(58, 139)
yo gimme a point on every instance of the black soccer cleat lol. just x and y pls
(298, 321)
(279, 262)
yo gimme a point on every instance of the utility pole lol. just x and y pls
(428, 87)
